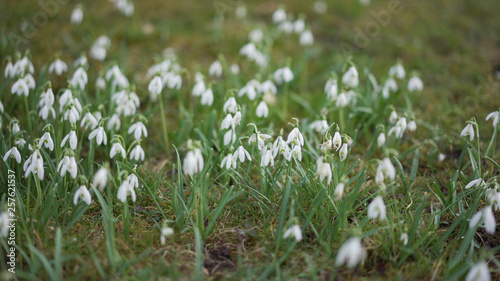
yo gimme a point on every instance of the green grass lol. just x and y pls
(229, 224)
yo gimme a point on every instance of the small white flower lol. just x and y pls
(259, 139)
(83, 194)
(89, 121)
(390, 85)
(279, 16)
(495, 118)
(294, 231)
(34, 165)
(262, 110)
(207, 98)
(241, 153)
(228, 162)
(4, 224)
(415, 84)
(68, 164)
(306, 38)
(412, 125)
(296, 153)
(58, 66)
(139, 130)
(331, 89)
(268, 87)
(229, 137)
(255, 35)
(381, 139)
(230, 106)
(9, 70)
(337, 141)
(47, 141)
(299, 26)
(351, 253)
(397, 71)
(100, 179)
(468, 131)
(267, 158)
(117, 148)
(165, 232)
(73, 140)
(137, 153)
(77, 15)
(30, 81)
(125, 190)
(387, 168)
(286, 27)
(235, 69)
(324, 170)
(215, 69)
(14, 153)
(295, 137)
(343, 152)
(283, 75)
(475, 183)
(479, 272)
(100, 135)
(441, 157)
(376, 209)
(114, 123)
(394, 117)
(326, 146)
(487, 216)
(193, 163)
(320, 126)
(339, 191)
(350, 78)
(20, 87)
(133, 180)
(404, 238)
(155, 87)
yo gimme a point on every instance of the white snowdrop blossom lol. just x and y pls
(390, 85)
(98, 50)
(495, 118)
(251, 89)
(77, 15)
(46, 104)
(268, 87)
(295, 138)
(337, 141)
(46, 140)
(215, 69)
(281, 146)
(299, 26)
(137, 153)
(475, 183)
(199, 87)
(262, 110)
(114, 122)
(306, 38)
(193, 162)
(228, 162)
(138, 129)
(286, 27)
(12, 153)
(82, 194)
(486, 215)
(241, 153)
(351, 253)
(397, 71)
(324, 170)
(283, 75)
(34, 165)
(376, 209)
(393, 118)
(165, 232)
(415, 84)
(343, 152)
(73, 140)
(412, 126)
(229, 137)
(259, 139)
(279, 16)
(479, 272)
(68, 164)
(230, 106)
(381, 139)
(155, 87)
(350, 78)
(294, 231)
(339, 191)
(256, 35)
(399, 128)
(9, 70)
(100, 136)
(387, 168)
(89, 121)
(133, 180)
(267, 157)
(4, 224)
(100, 179)
(320, 126)
(404, 238)
(468, 131)
(117, 148)
(58, 67)
(207, 98)
(125, 190)
(20, 88)
(30, 81)
(331, 89)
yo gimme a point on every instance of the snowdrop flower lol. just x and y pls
(387, 168)
(228, 162)
(13, 153)
(339, 191)
(306, 38)
(299, 26)
(286, 27)
(479, 272)
(124, 191)
(343, 152)
(381, 140)
(15, 128)
(4, 224)
(165, 232)
(267, 158)
(262, 110)
(100, 135)
(138, 129)
(412, 126)
(155, 87)
(283, 75)
(207, 97)
(399, 128)
(241, 153)
(324, 170)
(133, 180)
(294, 231)
(72, 140)
(279, 16)
(30, 81)
(235, 69)
(250, 89)
(379, 180)
(331, 89)
(193, 163)
(296, 153)
(320, 126)
(342, 100)
(468, 131)
(83, 194)
(199, 87)
(229, 137)
(256, 35)
(100, 179)
(47, 141)
(476, 183)
(230, 105)
(227, 122)
(34, 165)
(326, 146)
(320, 7)
(390, 85)
(137, 153)
(77, 16)
(415, 84)
(268, 87)
(259, 139)
(9, 70)
(117, 148)
(404, 238)
(114, 122)
(351, 253)
(215, 69)
(58, 66)
(495, 118)
(20, 87)
(98, 50)
(280, 146)
(350, 78)
(487, 216)
(68, 164)
(441, 157)
(46, 104)
(376, 209)
(295, 138)
(397, 71)
(393, 118)
(337, 141)
(81, 61)
(89, 121)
